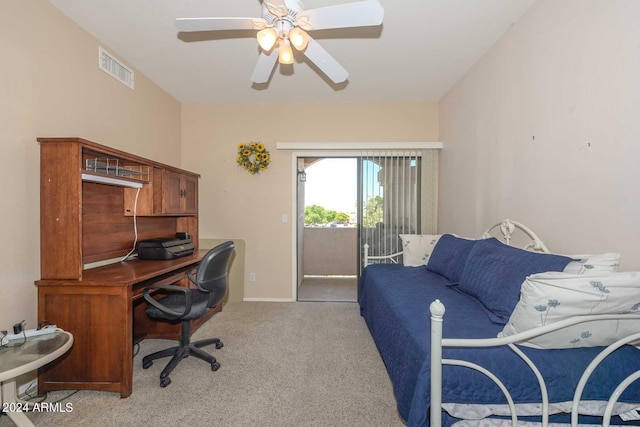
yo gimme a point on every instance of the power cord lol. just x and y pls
(43, 397)
(135, 226)
(18, 327)
(30, 397)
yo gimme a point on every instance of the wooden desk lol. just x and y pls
(105, 313)
(95, 203)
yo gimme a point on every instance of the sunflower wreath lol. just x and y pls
(253, 157)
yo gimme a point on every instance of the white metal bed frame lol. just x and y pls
(437, 310)
(370, 259)
(507, 228)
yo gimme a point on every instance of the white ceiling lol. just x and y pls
(420, 51)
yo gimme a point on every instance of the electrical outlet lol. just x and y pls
(252, 277)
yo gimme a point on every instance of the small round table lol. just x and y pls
(36, 352)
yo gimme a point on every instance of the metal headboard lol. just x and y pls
(507, 228)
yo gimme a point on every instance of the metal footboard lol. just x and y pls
(438, 343)
(371, 259)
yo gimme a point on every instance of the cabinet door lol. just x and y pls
(173, 192)
(190, 194)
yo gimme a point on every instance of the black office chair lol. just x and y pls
(186, 304)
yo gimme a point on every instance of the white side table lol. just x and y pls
(34, 353)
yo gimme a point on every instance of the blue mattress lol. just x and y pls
(394, 301)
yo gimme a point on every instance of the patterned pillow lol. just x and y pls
(553, 296)
(593, 264)
(417, 248)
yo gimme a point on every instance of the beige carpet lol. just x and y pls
(283, 364)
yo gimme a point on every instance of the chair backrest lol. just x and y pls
(212, 273)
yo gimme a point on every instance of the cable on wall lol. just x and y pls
(135, 226)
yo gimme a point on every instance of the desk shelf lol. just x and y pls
(116, 167)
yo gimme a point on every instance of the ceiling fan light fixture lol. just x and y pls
(267, 38)
(285, 53)
(299, 38)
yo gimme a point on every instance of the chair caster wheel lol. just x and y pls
(219, 345)
(147, 365)
(165, 382)
(215, 366)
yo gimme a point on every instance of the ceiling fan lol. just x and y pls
(287, 25)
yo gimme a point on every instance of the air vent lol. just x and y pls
(115, 68)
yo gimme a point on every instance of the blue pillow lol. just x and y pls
(494, 273)
(449, 257)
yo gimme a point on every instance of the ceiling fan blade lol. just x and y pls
(295, 5)
(264, 67)
(215, 24)
(325, 62)
(359, 14)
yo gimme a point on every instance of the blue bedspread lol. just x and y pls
(394, 301)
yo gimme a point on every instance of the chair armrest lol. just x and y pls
(172, 288)
(191, 275)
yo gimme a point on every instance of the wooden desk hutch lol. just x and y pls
(89, 202)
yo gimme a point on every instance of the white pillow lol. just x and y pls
(549, 297)
(417, 248)
(593, 264)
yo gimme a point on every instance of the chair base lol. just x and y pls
(180, 352)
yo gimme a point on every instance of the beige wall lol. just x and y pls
(50, 85)
(566, 74)
(234, 204)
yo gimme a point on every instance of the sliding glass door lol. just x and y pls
(396, 194)
(390, 199)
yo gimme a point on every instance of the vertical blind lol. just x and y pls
(391, 197)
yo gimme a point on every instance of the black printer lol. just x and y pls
(166, 247)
